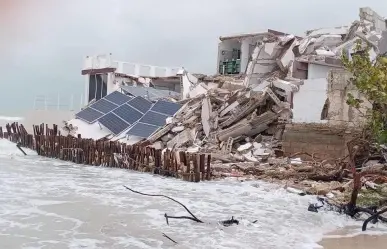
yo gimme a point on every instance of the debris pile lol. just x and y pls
(227, 124)
(241, 118)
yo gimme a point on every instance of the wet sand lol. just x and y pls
(360, 241)
(357, 242)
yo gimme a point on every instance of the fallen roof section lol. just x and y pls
(149, 93)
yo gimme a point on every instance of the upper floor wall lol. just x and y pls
(104, 75)
(234, 52)
(136, 69)
(383, 43)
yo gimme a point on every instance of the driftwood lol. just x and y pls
(359, 154)
(194, 218)
(225, 223)
(373, 217)
(18, 145)
(166, 236)
(231, 222)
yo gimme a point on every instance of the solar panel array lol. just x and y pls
(102, 106)
(119, 112)
(165, 107)
(118, 98)
(112, 122)
(142, 130)
(128, 113)
(154, 119)
(140, 104)
(89, 115)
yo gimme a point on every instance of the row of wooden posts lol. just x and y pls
(50, 143)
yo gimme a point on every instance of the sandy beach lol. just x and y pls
(357, 242)
(342, 239)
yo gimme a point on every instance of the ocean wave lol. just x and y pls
(8, 148)
(11, 119)
(88, 207)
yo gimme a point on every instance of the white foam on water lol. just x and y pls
(9, 149)
(11, 119)
(48, 203)
(4, 120)
(372, 229)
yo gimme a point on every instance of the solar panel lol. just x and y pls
(153, 118)
(103, 106)
(142, 130)
(166, 107)
(113, 123)
(118, 98)
(89, 115)
(128, 113)
(140, 104)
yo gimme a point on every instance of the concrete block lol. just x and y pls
(383, 43)
(286, 144)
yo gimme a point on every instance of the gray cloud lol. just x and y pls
(44, 53)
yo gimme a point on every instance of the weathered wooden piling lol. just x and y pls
(50, 143)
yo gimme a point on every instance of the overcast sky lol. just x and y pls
(42, 42)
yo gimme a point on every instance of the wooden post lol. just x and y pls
(202, 163)
(208, 167)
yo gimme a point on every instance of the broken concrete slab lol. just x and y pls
(245, 147)
(287, 57)
(205, 117)
(328, 31)
(383, 43)
(182, 138)
(177, 129)
(378, 22)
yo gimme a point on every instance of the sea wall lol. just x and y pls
(47, 142)
(321, 140)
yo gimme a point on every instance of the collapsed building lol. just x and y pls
(274, 94)
(273, 90)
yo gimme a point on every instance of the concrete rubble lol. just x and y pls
(226, 124)
(239, 120)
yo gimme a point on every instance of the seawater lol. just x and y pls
(47, 203)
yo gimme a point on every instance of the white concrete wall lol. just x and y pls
(339, 112)
(379, 23)
(114, 83)
(246, 45)
(245, 54)
(98, 61)
(309, 101)
(227, 46)
(86, 93)
(316, 71)
(137, 69)
(383, 43)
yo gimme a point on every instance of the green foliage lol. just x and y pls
(370, 78)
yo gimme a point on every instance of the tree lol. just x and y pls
(370, 78)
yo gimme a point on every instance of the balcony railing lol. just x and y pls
(137, 69)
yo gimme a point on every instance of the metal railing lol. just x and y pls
(58, 102)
